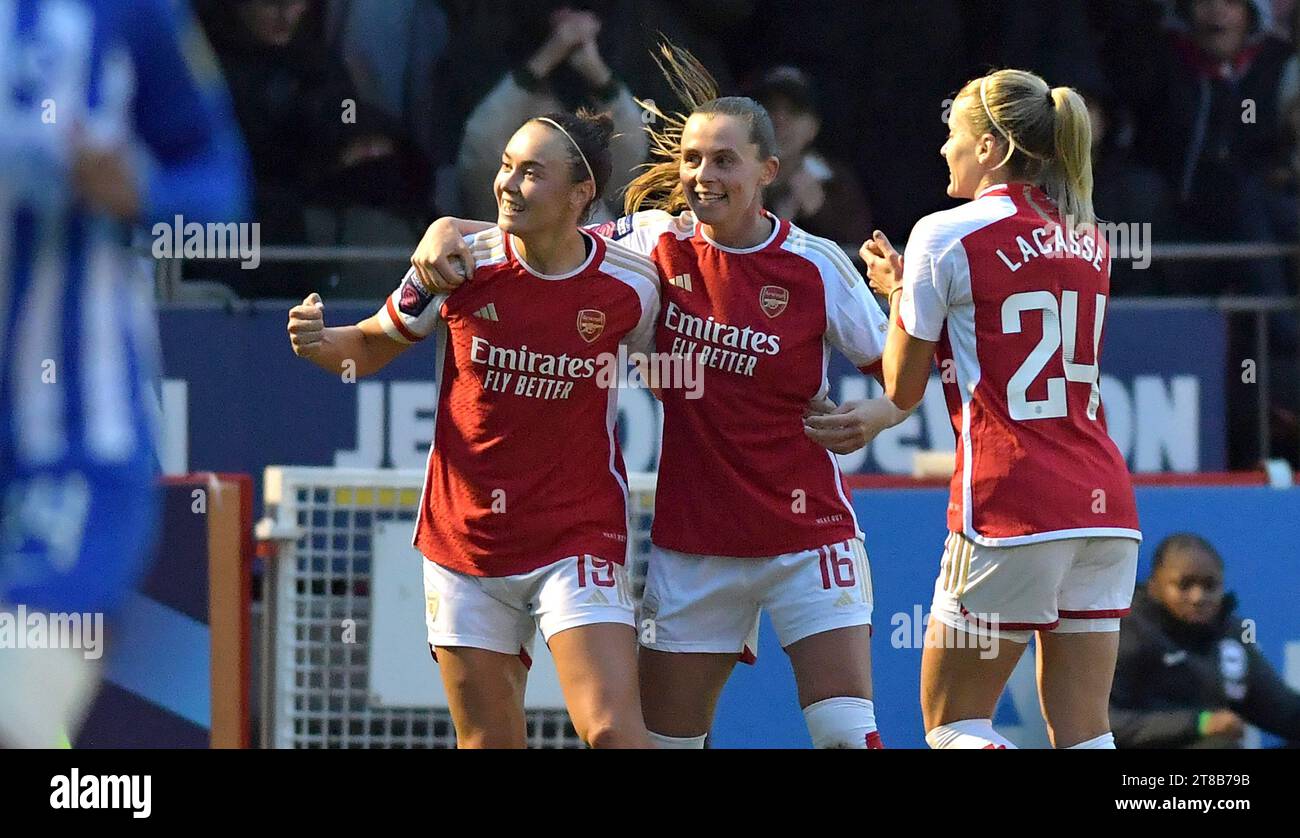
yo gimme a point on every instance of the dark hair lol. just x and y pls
(1183, 8)
(789, 84)
(1183, 541)
(591, 133)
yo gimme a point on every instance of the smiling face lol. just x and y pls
(969, 157)
(1189, 584)
(1221, 26)
(534, 187)
(721, 171)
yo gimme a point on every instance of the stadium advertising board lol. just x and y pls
(236, 399)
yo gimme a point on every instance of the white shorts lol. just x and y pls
(1072, 585)
(696, 603)
(502, 613)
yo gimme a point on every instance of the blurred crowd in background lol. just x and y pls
(368, 118)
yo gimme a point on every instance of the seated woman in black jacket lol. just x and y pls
(1189, 675)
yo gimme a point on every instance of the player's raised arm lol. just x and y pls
(908, 357)
(441, 245)
(365, 345)
(856, 327)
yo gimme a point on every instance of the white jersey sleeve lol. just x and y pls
(410, 313)
(855, 323)
(642, 338)
(641, 275)
(640, 231)
(928, 273)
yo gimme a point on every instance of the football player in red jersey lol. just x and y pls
(750, 513)
(523, 518)
(1009, 291)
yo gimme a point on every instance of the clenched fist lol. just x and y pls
(307, 326)
(884, 264)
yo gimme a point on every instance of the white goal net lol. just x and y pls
(319, 620)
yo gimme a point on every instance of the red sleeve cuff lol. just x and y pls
(397, 322)
(874, 368)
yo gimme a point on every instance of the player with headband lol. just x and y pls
(523, 518)
(751, 513)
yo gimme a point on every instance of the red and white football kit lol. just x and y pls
(525, 482)
(1042, 514)
(738, 478)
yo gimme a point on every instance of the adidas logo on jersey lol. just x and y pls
(597, 598)
(682, 281)
(488, 312)
(845, 599)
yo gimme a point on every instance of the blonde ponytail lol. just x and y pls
(1047, 132)
(1068, 179)
(659, 186)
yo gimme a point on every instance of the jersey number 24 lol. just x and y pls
(1060, 328)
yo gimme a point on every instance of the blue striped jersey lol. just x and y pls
(78, 339)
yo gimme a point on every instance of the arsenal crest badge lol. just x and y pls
(590, 324)
(773, 299)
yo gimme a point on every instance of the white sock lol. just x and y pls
(677, 743)
(969, 734)
(843, 722)
(1105, 742)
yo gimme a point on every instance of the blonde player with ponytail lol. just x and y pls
(1009, 292)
